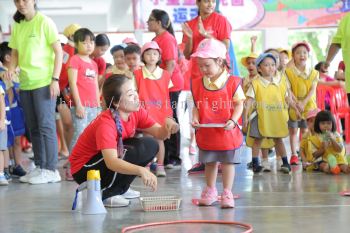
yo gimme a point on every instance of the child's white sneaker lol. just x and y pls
(160, 172)
(279, 164)
(266, 165)
(3, 180)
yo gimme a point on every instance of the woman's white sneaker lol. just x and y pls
(116, 201)
(130, 194)
(35, 172)
(45, 176)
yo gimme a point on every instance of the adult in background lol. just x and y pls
(37, 51)
(341, 40)
(159, 23)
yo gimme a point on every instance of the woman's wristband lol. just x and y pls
(55, 79)
(234, 122)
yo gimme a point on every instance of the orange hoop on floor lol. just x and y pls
(248, 228)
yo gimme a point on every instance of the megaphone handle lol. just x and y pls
(82, 186)
(74, 206)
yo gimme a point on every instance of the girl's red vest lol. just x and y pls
(216, 107)
(154, 95)
(68, 52)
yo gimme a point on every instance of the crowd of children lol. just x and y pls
(275, 100)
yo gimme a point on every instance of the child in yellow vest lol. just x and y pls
(270, 94)
(308, 160)
(249, 63)
(327, 144)
(303, 82)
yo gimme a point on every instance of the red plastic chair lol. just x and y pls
(322, 93)
(343, 110)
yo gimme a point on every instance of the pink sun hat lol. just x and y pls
(150, 45)
(210, 48)
(312, 113)
(130, 40)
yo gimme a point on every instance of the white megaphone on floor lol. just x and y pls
(93, 203)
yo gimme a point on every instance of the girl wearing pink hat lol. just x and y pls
(218, 99)
(153, 85)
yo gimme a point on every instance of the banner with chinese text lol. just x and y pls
(245, 14)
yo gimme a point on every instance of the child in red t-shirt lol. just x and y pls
(64, 123)
(83, 83)
(153, 85)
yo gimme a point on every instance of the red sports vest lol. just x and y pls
(154, 95)
(68, 52)
(216, 107)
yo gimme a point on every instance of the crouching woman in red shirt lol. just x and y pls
(108, 143)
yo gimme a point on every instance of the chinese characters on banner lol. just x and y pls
(181, 11)
(245, 14)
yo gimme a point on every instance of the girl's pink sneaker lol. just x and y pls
(208, 197)
(227, 200)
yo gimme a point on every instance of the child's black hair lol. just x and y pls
(4, 50)
(108, 65)
(143, 60)
(324, 116)
(81, 34)
(102, 40)
(318, 65)
(132, 48)
(116, 48)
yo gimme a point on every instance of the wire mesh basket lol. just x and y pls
(161, 203)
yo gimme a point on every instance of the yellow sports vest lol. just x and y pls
(300, 88)
(271, 108)
(317, 142)
(265, 143)
(305, 145)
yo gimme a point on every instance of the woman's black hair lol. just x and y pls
(102, 40)
(18, 17)
(112, 93)
(111, 89)
(81, 34)
(159, 61)
(324, 116)
(164, 19)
